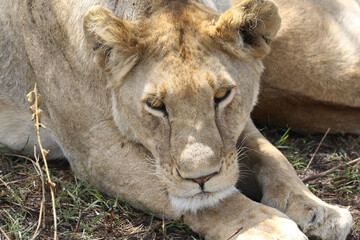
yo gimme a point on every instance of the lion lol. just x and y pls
(151, 101)
(311, 78)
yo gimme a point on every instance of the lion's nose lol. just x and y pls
(202, 180)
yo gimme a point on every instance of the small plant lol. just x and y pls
(280, 143)
(35, 100)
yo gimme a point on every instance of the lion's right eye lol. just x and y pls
(221, 96)
(157, 105)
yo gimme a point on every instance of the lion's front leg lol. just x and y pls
(238, 217)
(283, 190)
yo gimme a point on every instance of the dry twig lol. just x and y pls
(110, 228)
(313, 156)
(163, 226)
(35, 100)
(42, 204)
(236, 232)
(2, 231)
(18, 156)
(341, 166)
(78, 222)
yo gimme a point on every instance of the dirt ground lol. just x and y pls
(84, 213)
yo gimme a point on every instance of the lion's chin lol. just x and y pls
(200, 200)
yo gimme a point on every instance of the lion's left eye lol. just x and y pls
(221, 96)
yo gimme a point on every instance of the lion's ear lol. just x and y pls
(106, 32)
(256, 21)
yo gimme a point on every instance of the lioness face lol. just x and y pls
(189, 114)
(184, 82)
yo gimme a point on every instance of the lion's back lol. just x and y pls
(311, 77)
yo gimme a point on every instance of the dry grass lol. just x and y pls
(84, 213)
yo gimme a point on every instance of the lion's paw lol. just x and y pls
(313, 216)
(327, 222)
(274, 229)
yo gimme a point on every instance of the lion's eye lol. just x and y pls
(157, 105)
(221, 95)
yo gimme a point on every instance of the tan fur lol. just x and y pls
(311, 78)
(100, 73)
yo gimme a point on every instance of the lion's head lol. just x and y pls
(184, 80)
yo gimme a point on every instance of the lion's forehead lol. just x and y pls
(189, 81)
(180, 45)
(179, 27)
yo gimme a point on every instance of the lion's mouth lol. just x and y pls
(200, 200)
